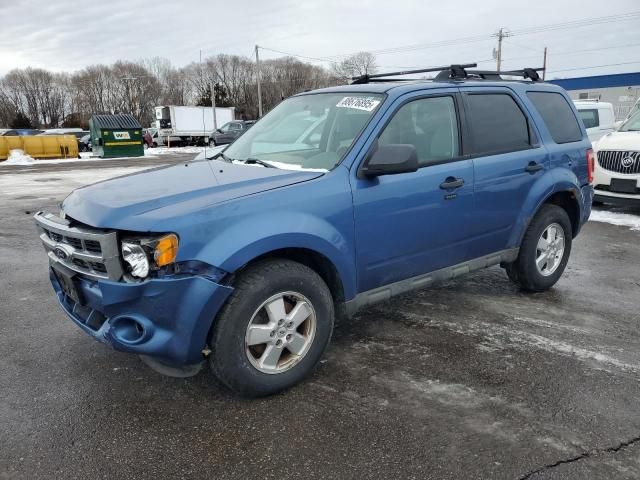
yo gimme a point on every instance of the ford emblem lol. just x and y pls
(60, 253)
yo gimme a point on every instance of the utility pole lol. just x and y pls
(259, 87)
(213, 105)
(544, 64)
(501, 35)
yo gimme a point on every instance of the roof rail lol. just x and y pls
(381, 77)
(452, 72)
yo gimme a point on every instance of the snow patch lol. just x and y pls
(45, 184)
(614, 218)
(152, 152)
(18, 157)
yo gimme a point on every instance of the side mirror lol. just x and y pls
(391, 159)
(219, 131)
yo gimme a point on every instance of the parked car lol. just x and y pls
(244, 260)
(598, 118)
(21, 132)
(617, 170)
(229, 132)
(84, 143)
(78, 132)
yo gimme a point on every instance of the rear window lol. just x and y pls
(589, 118)
(497, 124)
(557, 114)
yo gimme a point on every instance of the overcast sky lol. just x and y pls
(66, 35)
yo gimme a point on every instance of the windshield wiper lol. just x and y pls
(250, 161)
(220, 155)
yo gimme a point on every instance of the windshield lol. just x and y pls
(306, 132)
(632, 124)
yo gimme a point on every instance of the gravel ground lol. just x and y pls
(471, 379)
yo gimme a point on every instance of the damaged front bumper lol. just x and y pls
(166, 318)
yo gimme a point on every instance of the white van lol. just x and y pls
(598, 118)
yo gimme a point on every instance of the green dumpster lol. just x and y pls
(117, 135)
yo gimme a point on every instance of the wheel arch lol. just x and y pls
(566, 197)
(328, 259)
(312, 259)
(567, 200)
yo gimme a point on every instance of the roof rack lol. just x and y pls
(452, 72)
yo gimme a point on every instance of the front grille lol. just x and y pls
(88, 245)
(619, 161)
(91, 252)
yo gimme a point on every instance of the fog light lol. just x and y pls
(136, 258)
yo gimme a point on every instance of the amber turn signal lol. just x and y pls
(166, 250)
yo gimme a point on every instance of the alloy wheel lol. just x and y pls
(280, 332)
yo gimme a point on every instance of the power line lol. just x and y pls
(524, 31)
(567, 52)
(594, 66)
(323, 59)
(578, 23)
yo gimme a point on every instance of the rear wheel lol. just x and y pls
(273, 329)
(544, 251)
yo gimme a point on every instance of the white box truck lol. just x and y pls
(190, 125)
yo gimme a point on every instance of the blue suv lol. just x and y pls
(336, 199)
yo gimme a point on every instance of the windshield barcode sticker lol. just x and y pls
(360, 103)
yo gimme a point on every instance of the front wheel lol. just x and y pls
(273, 329)
(544, 251)
(212, 143)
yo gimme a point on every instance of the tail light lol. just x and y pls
(591, 160)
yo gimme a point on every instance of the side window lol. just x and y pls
(429, 124)
(589, 117)
(225, 127)
(235, 127)
(497, 124)
(558, 115)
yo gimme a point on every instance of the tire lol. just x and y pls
(212, 143)
(244, 369)
(524, 271)
(155, 144)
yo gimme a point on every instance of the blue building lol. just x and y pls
(620, 89)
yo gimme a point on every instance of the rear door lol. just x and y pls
(507, 160)
(413, 223)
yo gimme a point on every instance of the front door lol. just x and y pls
(413, 223)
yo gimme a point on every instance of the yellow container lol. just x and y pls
(40, 146)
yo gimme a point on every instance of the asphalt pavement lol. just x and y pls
(470, 379)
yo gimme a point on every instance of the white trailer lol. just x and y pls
(191, 124)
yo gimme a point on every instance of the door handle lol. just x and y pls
(533, 167)
(450, 183)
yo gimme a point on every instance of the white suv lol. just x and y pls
(616, 177)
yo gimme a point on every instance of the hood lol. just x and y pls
(116, 203)
(626, 141)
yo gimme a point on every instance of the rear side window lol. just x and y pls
(497, 124)
(589, 118)
(557, 114)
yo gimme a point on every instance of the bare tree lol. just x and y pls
(362, 63)
(54, 99)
